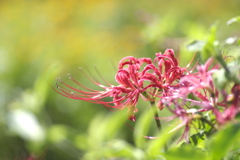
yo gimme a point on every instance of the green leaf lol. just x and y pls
(120, 148)
(202, 122)
(96, 130)
(185, 152)
(57, 133)
(196, 46)
(101, 143)
(104, 127)
(209, 48)
(115, 148)
(142, 127)
(219, 79)
(80, 141)
(231, 40)
(198, 140)
(225, 75)
(113, 122)
(233, 20)
(155, 146)
(223, 141)
(211, 38)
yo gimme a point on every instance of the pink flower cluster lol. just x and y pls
(165, 80)
(206, 99)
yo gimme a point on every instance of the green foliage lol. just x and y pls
(142, 127)
(223, 76)
(196, 46)
(233, 20)
(207, 48)
(223, 141)
(157, 145)
(101, 141)
(198, 140)
(185, 152)
(220, 79)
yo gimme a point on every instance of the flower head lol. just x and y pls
(136, 77)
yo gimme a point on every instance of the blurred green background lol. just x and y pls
(41, 40)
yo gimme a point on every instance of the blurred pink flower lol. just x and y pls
(205, 97)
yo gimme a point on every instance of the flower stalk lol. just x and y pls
(157, 120)
(156, 116)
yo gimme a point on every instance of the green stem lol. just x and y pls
(157, 120)
(156, 117)
(228, 73)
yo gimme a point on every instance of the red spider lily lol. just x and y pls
(165, 76)
(150, 82)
